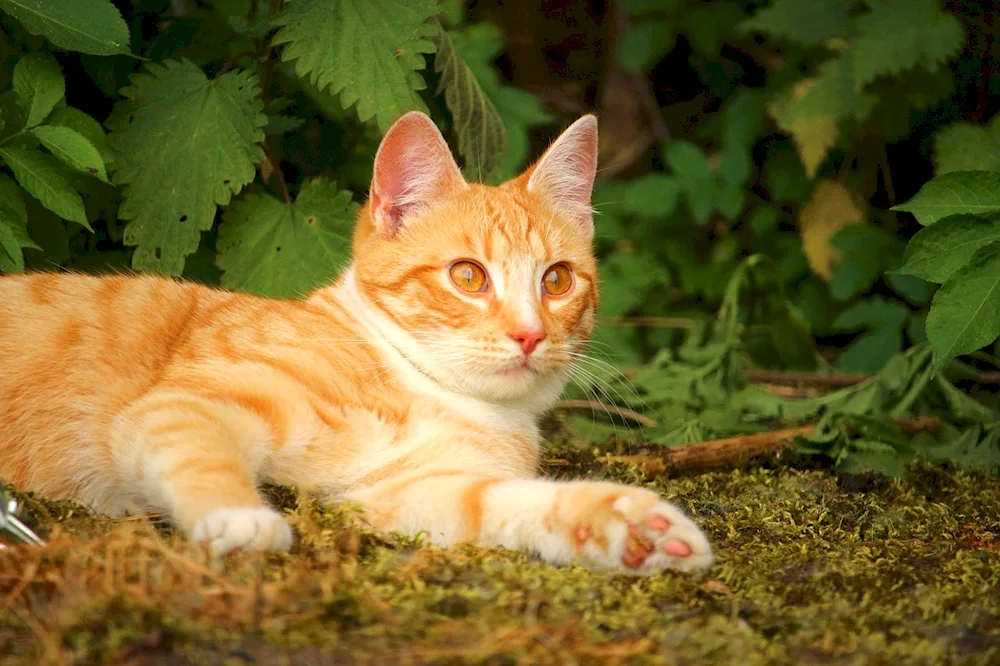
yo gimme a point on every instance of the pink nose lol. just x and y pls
(527, 338)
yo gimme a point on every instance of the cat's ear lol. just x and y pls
(565, 173)
(413, 169)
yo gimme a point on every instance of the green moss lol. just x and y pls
(812, 568)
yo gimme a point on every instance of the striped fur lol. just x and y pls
(391, 387)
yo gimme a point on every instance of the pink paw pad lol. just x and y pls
(658, 523)
(675, 547)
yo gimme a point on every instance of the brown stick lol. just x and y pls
(623, 412)
(719, 452)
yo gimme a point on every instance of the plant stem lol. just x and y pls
(623, 412)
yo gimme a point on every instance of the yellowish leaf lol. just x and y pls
(830, 208)
(813, 136)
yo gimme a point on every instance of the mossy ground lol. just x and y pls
(812, 568)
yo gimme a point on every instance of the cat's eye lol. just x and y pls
(468, 276)
(557, 280)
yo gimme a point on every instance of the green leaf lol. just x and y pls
(186, 145)
(83, 124)
(479, 45)
(696, 178)
(967, 147)
(867, 252)
(965, 312)
(41, 178)
(935, 253)
(482, 139)
(652, 196)
(644, 44)
(368, 51)
(901, 34)
(882, 321)
(73, 149)
(13, 227)
(88, 26)
(286, 250)
(39, 86)
(955, 193)
(808, 22)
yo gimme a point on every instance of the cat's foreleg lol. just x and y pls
(602, 525)
(187, 456)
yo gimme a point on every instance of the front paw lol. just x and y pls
(630, 529)
(247, 529)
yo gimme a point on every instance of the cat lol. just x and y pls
(413, 385)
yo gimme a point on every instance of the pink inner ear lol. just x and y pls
(565, 174)
(413, 168)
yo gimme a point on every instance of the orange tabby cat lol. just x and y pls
(413, 385)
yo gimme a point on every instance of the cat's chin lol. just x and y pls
(518, 383)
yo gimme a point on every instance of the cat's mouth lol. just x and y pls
(523, 367)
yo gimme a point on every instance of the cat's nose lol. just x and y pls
(528, 338)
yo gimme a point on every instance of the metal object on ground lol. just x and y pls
(10, 523)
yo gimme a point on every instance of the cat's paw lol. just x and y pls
(247, 529)
(632, 530)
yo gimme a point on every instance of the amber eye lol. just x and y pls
(468, 276)
(558, 279)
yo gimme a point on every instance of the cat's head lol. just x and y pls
(490, 290)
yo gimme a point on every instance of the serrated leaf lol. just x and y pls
(813, 139)
(955, 193)
(186, 145)
(967, 147)
(479, 45)
(695, 176)
(899, 35)
(965, 312)
(286, 250)
(41, 178)
(88, 26)
(808, 22)
(368, 51)
(39, 86)
(482, 139)
(935, 253)
(13, 227)
(77, 120)
(73, 149)
(830, 208)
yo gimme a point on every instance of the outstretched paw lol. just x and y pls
(248, 529)
(634, 530)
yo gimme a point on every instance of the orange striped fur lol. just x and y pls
(393, 387)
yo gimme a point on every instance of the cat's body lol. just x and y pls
(413, 385)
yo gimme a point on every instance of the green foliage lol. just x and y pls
(88, 26)
(956, 193)
(185, 145)
(286, 249)
(367, 51)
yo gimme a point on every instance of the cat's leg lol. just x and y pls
(603, 525)
(192, 458)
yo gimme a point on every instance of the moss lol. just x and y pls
(812, 568)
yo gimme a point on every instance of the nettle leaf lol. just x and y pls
(967, 147)
(955, 193)
(284, 250)
(695, 176)
(965, 312)
(936, 252)
(88, 26)
(478, 45)
(482, 139)
(72, 148)
(901, 34)
(13, 227)
(39, 86)
(185, 145)
(808, 22)
(39, 175)
(368, 51)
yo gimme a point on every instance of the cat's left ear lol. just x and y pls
(414, 168)
(565, 173)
